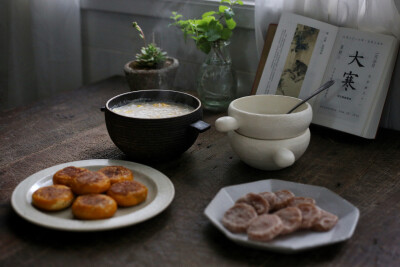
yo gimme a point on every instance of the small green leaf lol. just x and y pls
(208, 14)
(213, 35)
(226, 34)
(230, 23)
(213, 32)
(202, 28)
(204, 45)
(175, 16)
(204, 24)
(239, 2)
(205, 21)
(198, 37)
(226, 1)
(222, 9)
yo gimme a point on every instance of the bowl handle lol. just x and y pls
(283, 157)
(200, 126)
(103, 108)
(226, 124)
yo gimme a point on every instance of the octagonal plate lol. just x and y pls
(301, 240)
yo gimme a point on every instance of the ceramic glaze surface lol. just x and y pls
(264, 117)
(154, 139)
(269, 154)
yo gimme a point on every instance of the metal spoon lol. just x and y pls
(322, 88)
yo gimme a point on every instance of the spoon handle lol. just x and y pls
(322, 88)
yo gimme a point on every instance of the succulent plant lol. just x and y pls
(150, 56)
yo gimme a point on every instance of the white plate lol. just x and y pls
(160, 194)
(298, 241)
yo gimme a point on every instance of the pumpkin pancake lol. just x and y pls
(94, 207)
(66, 176)
(53, 197)
(117, 173)
(90, 183)
(128, 193)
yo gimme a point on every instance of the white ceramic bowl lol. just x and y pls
(269, 154)
(264, 117)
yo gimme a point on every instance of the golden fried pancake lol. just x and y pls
(117, 173)
(90, 183)
(53, 197)
(66, 175)
(128, 193)
(94, 207)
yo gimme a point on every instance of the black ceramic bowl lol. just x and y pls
(154, 139)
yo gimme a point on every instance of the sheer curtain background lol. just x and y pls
(40, 49)
(370, 15)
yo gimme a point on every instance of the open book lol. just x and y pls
(306, 53)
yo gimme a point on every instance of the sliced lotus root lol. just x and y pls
(265, 227)
(283, 199)
(310, 214)
(325, 222)
(298, 200)
(270, 197)
(238, 217)
(259, 203)
(291, 218)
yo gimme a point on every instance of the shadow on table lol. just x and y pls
(38, 236)
(231, 251)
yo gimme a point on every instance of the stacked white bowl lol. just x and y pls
(261, 132)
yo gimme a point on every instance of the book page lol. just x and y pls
(356, 65)
(298, 56)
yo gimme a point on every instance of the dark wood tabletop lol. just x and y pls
(70, 127)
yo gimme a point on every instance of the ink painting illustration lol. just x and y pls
(297, 61)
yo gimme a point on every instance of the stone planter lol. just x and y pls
(142, 79)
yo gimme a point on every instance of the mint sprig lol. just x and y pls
(214, 26)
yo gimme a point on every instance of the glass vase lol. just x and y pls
(216, 81)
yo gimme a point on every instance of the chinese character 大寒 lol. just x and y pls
(348, 81)
(355, 58)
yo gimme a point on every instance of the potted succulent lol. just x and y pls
(152, 68)
(216, 81)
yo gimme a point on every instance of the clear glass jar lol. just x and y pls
(216, 81)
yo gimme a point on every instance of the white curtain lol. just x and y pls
(40, 51)
(370, 15)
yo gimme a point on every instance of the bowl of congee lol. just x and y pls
(154, 125)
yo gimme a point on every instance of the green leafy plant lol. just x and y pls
(150, 56)
(213, 27)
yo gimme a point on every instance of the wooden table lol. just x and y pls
(70, 127)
